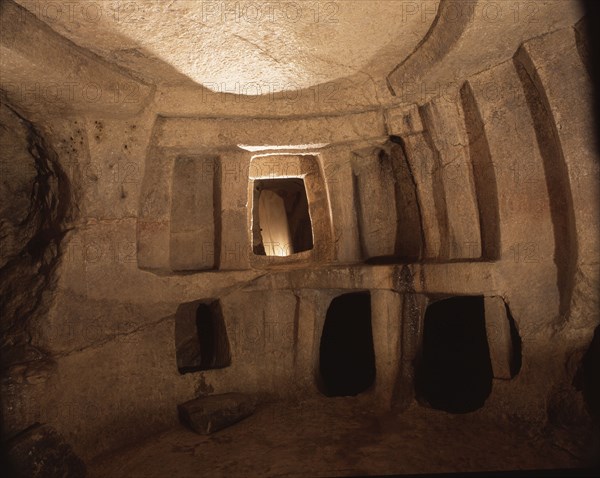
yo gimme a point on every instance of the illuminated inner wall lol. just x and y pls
(273, 223)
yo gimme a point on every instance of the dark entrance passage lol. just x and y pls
(455, 370)
(347, 358)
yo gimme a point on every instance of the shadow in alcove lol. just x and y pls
(201, 337)
(586, 381)
(591, 22)
(586, 378)
(454, 372)
(347, 357)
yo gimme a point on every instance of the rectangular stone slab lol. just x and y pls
(207, 415)
(376, 207)
(498, 335)
(192, 243)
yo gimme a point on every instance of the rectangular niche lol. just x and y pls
(281, 224)
(289, 217)
(195, 214)
(454, 372)
(201, 337)
(386, 205)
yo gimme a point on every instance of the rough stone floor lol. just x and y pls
(341, 437)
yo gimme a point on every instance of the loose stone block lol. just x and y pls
(207, 415)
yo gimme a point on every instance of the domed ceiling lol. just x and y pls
(244, 47)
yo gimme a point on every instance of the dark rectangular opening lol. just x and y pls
(201, 337)
(346, 352)
(454, 372)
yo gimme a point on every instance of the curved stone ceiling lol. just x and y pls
(244, 47)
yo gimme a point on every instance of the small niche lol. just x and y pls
(201, 337)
